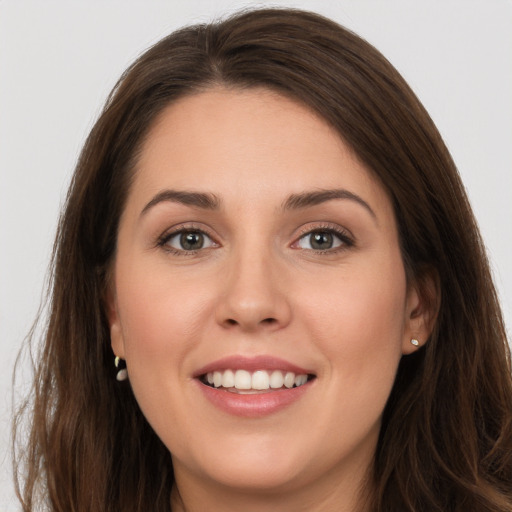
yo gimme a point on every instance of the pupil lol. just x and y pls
(321, 240)
(191, 241)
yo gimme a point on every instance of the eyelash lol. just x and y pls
(164, 239)
(343, 235)
(346, 239)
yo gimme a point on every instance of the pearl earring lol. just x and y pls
(122, 374)
(415, 342)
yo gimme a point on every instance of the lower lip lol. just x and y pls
(253, 405)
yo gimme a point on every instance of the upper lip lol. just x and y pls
(251, 364)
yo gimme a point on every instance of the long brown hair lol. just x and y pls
(446, 437)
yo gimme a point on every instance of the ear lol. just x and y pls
(422, 307)
(116, 333)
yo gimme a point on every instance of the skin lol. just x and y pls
(257, 287)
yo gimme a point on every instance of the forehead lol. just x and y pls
(247, 143)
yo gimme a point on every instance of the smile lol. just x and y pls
(243, 381)
(253, 387)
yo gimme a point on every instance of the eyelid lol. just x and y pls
(168, 234)
(343, 234)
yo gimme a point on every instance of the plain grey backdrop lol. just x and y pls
(59, 59)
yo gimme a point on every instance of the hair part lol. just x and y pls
(446, 437)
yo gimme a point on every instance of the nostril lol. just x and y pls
(265, 321)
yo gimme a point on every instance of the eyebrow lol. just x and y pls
(208, 201)
(196, 199)
(306, 199)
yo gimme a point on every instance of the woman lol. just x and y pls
(269, 292)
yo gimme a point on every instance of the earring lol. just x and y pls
(122, 374)
(415, 342)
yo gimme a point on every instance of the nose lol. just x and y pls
(253, 295)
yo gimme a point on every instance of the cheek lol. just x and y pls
(162, 320)
(161, 314)
(358, 319)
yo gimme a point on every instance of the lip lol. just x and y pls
(251, 364)
(252, 405)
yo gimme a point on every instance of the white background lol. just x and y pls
(58, 61)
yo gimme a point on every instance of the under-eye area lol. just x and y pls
(243, 381)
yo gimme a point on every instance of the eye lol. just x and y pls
(323, 240)
(187, 240)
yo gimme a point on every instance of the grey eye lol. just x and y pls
(320, 241)
(190, 241)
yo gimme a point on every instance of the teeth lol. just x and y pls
(276, 379)
(258, 380)
(289, 379)
(228, 379)
(242, 380)
(300, 379)
(217, 379)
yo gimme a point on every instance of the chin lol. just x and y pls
(251, 465)
(269, 476)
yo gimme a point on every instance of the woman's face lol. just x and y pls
(256, 251)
